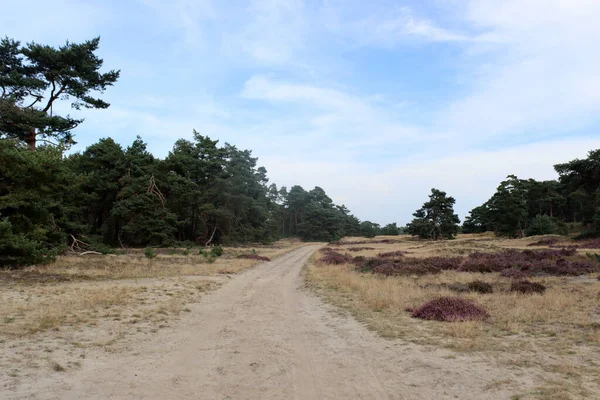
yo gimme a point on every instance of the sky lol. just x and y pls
(375, 101)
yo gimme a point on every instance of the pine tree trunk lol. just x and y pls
(30, 139)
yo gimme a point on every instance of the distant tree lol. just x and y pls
(580, 185)
(369, 229)
(35, 76)
(478, 220)
(390, 230)
(508, 208)
(436, 219)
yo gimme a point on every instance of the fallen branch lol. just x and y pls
(89, 252)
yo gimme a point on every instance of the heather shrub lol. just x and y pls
(527, 287)
(480, 287)
(392, 254)
(359, 261)
(333, 257)
(590, 244)
(341, 243)
(450, 309)
(459, 287)
(360, 248)
(254, 257)
(514, 273)
(544, 242)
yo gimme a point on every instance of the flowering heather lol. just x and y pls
(341, 243)
(410, 266)
(450, 309)
(589, 244)
(509, 263)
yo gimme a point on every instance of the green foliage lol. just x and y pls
(436, 219)
(149, 252)
(369, 229)
(390, 230)
(33, 189)
(542, 225)
(217, 251)
(35, 76)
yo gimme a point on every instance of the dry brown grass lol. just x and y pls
(132, 288)
(563, 323)
(135, 265)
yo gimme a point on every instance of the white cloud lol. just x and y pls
(385, 26)
(535, 70)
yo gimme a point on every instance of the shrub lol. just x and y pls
(149, 252)
(392, 254)
(527, 287)
(254, 257)
(450, 309)
(514, 273)
(333, 257)
(218, 251)
(544, 242)
(480, 287)
(360, 248)
(542, 225)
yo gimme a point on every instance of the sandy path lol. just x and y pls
(261, 336)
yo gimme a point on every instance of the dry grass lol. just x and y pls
(132, 288)
(563, 323)
(135, 265)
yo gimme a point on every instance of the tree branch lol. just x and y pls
(53, 96)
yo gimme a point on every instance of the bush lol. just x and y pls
(450, 309)
(542, 225)
(475, 286)
(480, 287)
(392, 254)
(527, 287)
(544, 242)
(333, 257)
(149, 252)
(360, 248)
(217, 251)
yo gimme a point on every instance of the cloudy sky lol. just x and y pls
(375, 101)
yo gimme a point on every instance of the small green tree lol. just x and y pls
(436, 219)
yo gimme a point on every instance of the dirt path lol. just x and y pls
(261, 336)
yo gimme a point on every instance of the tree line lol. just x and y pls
(522, 207)
(109, 196)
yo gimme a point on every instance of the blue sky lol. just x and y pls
(377, 102)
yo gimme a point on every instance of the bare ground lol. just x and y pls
(262, 336)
